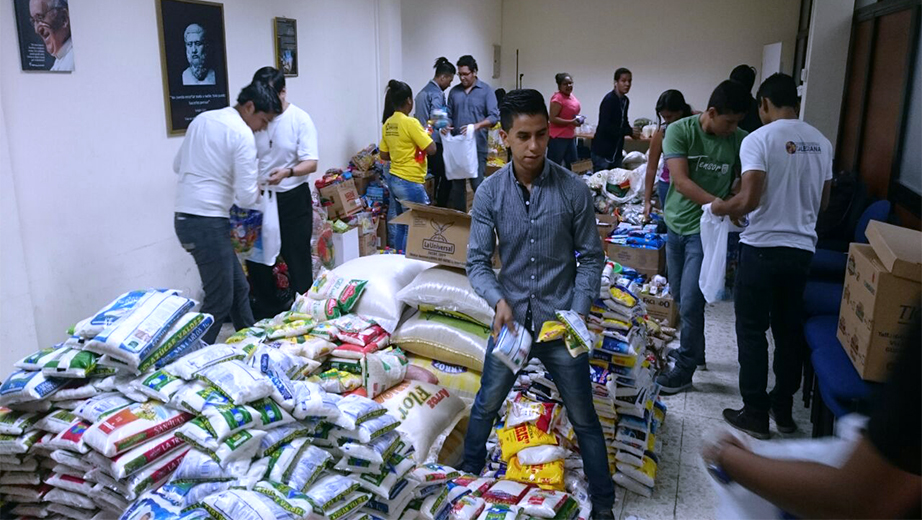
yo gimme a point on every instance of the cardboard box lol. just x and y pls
(345, 199)
(582, 166)
(879, 303)
(663, 310)
(362, 180)
(368, 244)
(606, 224)
(382, 232)
(436, 234)
(345, 246)
(646, 261)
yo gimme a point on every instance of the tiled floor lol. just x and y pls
(683, 488)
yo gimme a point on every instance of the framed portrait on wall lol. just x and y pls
(286, 45)
(194, 60)
(45, 42)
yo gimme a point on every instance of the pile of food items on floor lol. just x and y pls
(353, 404)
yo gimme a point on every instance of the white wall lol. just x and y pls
(827, 58)
(689, 46)
(87, 184)
(450, 28)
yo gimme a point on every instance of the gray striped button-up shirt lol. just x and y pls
(536, 247)
(429, 98)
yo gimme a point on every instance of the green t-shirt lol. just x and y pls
(713, 163)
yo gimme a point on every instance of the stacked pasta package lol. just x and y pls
(624, 368)
(88, 438)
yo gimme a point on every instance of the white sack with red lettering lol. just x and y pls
(427, 414)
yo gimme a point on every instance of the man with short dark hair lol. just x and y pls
(472, 102)
(787, 173)
(541, 214)
(614, 126)
(746, 76)
(702, 152)
(215, 165)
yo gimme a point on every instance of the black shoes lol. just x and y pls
(674, 354)
(749, 421)
(783, 420)
(602, 515)
(674, 381)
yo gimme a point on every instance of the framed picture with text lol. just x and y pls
(286, 45)
(45, 42)
(193, 55)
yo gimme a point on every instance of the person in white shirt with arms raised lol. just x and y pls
(787, 171)
(288, 154)
(215, 165)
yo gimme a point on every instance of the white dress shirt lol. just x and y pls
(64, 59)
(216, 163)
(293, 138)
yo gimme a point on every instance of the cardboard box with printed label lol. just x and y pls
(606, 224)
(881, 298)
(368, 244)
(362, 179)
(645, 261)
(435, 234)
(661, 309)
(344, 198)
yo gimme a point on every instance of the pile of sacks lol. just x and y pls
(624, 366)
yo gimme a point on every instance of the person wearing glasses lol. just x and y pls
(472, 102)
(196, 44)
(51, 21)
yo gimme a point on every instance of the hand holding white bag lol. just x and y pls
(460, 155)
(268, 244)
(714, 232)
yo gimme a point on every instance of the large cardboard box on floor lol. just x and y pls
(606, 224)
(345, 198)
(880, 300)
(645, 261)
(435, 234)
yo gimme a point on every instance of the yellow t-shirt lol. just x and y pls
(405, 140)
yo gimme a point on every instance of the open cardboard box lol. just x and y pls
(436, 234)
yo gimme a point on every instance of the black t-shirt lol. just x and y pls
(895, 428)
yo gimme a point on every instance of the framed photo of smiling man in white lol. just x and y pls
(194, 60)
(45, 42)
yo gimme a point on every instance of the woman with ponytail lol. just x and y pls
(670, 107)
(429, 99)
(405, 144)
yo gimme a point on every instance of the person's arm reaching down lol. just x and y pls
(744, 202)
(656, 151)
(480, 252)
(827, 189)
(591, 256)
(246, 172)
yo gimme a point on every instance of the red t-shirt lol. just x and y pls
(569, 108)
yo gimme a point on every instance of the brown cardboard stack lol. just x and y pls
(344, 197)
(880, 300)
(645, 261)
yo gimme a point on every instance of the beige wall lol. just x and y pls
(689, 46)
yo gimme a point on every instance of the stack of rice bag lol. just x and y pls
(624, 366)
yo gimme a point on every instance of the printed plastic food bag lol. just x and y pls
(132, 426)
(428, 413)
(513, 348)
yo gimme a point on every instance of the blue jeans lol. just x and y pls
(572, 378)
(684, 256)
(662, 189)
(600, 163)
(562, 151)
(227, 292)
(401, 190)
(458, 199)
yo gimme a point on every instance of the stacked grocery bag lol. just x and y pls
(624, 366)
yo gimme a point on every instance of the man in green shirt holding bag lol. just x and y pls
(702, 152)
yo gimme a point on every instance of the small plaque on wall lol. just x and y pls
(286, 46)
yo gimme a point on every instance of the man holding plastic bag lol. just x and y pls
(541, 214)
(702, 152)
(216, 164)
(787, 171)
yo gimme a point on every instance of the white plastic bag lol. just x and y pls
(268, 244)
(714, 243)
(460, 154)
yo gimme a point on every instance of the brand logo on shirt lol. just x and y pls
(722, 169)
(793, 147)
(438, 243)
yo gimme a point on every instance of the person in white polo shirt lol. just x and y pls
(787, 173)
(216, 165)
(288, 154)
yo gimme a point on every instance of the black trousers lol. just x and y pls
(442, 184)
(296, 218)
(769, 292)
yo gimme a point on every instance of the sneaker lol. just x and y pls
(783, 420)
(674, 355)
(674, 382)
(748, 421)
(605, 514)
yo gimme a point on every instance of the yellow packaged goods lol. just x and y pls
(550, 331)
(462, 380)
(545, 476)
(446, 339)
(514, 439)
